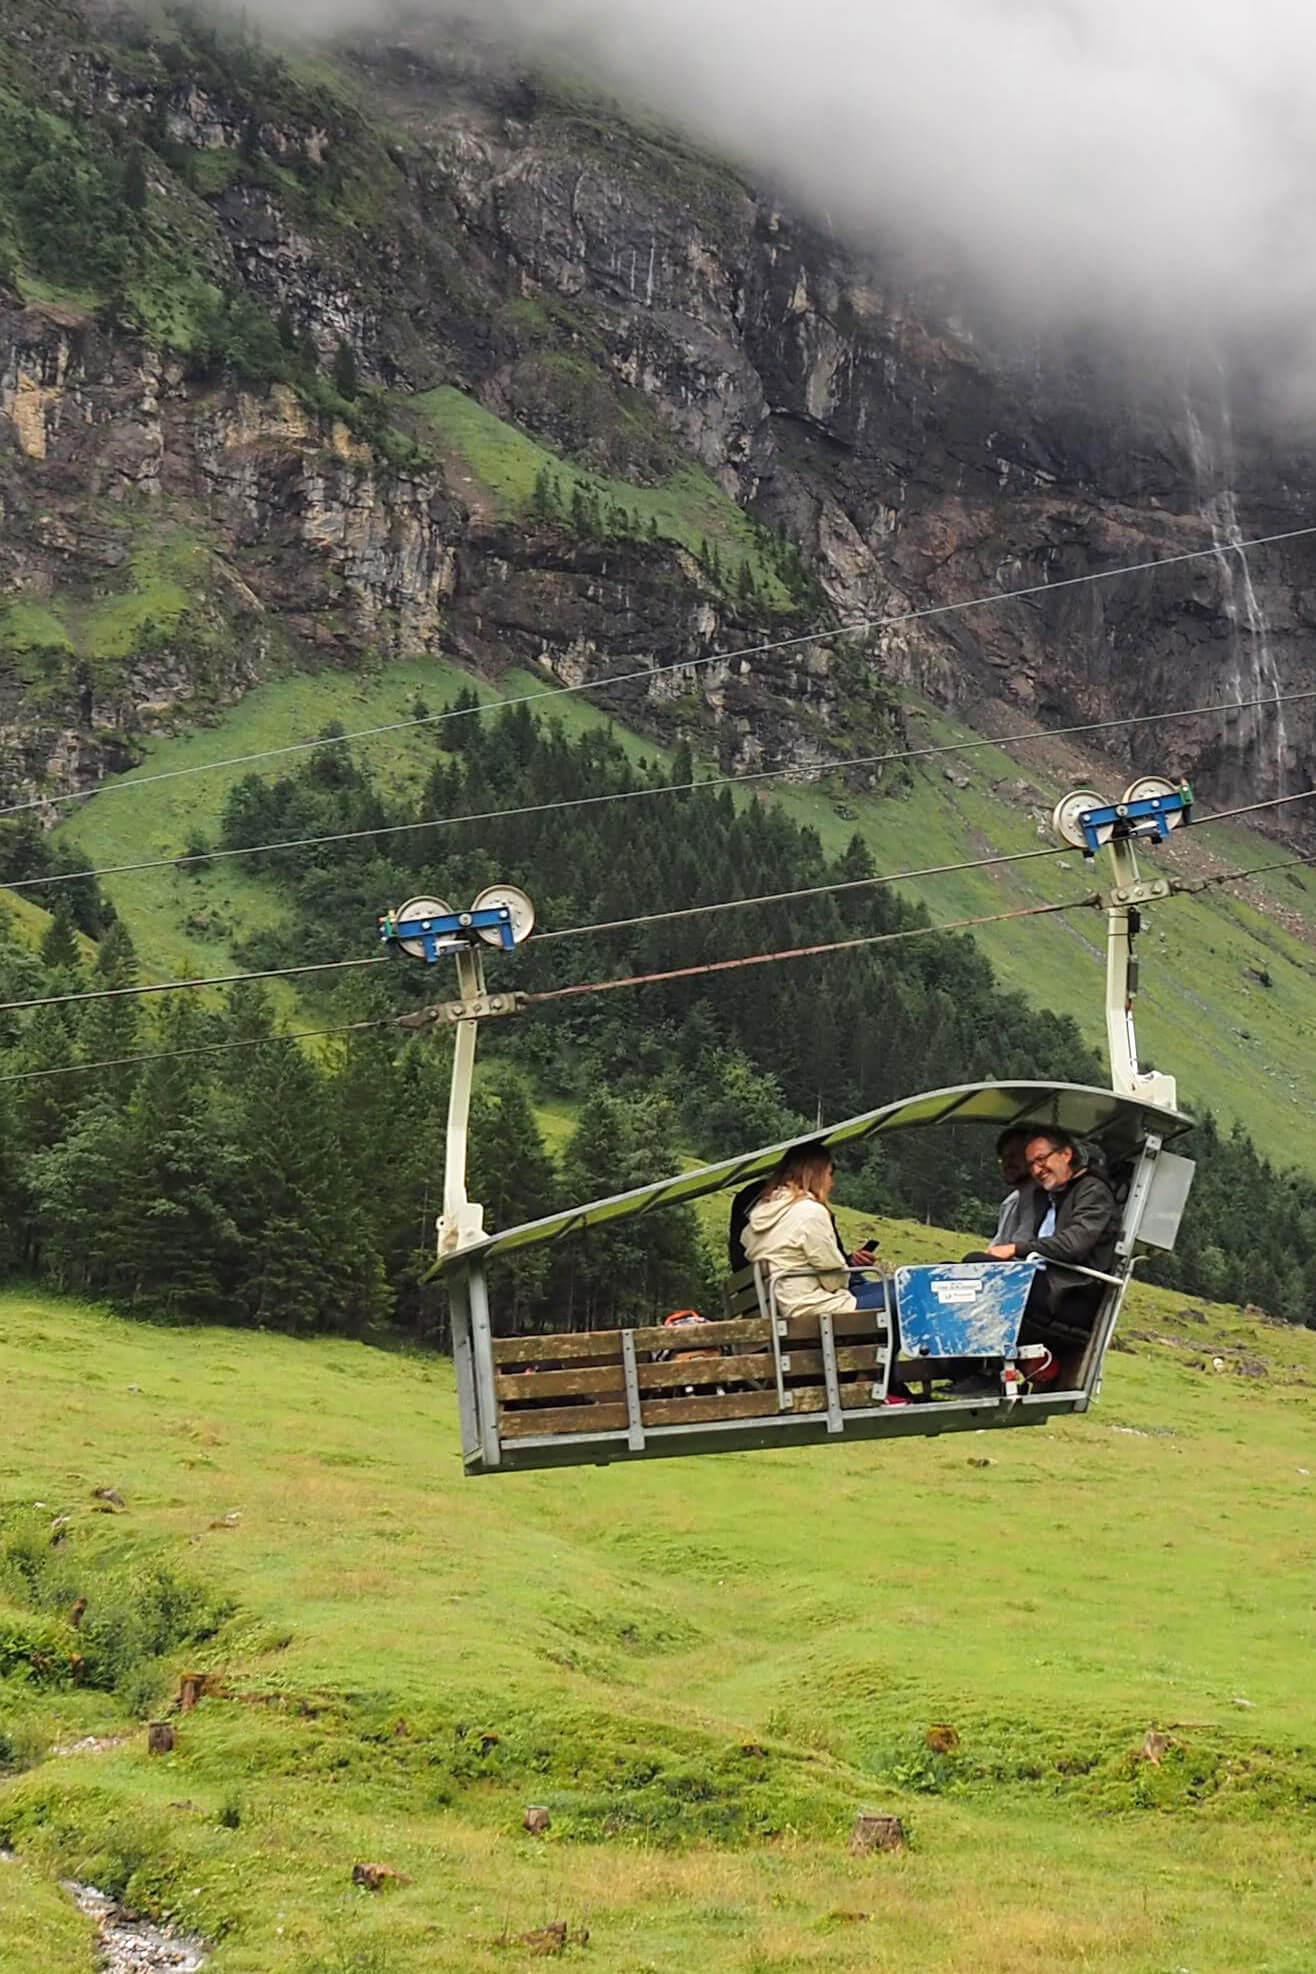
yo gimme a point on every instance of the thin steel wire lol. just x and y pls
(812, 952)
(179, 986)
(652, 918)
(639, 794)
(200, 1049)
(1094, 901)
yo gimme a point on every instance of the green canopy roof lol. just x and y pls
(1118, 1124)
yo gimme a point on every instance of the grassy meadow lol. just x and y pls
(688, 508)
(703, 1670)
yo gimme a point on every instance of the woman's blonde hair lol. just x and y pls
(802, 1171)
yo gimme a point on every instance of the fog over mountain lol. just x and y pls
(1144, 162)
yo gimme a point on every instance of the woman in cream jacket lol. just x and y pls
(792, 1234)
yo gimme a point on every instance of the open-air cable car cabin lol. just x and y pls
(944, 1351)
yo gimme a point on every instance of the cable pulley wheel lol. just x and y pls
(1065, 816)
(519, 906)
(1146, 788)
(424, 909)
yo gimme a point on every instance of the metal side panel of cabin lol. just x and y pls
(785, 1430)
(473, 1355)
(1103, 1329)
(1158, 1195)
(463, 1359)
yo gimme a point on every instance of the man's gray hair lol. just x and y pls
(1057, 1139)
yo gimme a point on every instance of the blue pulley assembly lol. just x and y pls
(430, 930)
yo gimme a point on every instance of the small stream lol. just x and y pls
(133, 1946)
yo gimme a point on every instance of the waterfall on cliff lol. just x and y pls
(1255, 672)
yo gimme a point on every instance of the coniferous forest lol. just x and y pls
(216, 1168)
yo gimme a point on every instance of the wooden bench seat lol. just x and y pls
(578, 1382)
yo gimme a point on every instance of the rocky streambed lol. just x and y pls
(133, 1946)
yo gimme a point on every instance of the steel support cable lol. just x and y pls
(384, 959)
(690, 911)
(788, 897)
(1251, 808)
(1092, 902)
(637, 794)
(200, 1049)
(854, 627)
(811, 952)
(356, 1027)
(863, 883)
(1188, 887)
(179, 986)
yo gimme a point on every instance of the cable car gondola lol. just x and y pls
(774, 1380)
(760, 1376)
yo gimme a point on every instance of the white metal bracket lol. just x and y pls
(1130, 891)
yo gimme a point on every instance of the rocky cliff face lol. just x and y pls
(178, 519)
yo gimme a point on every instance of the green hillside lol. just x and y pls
(1234, 1042)
(703, 1670)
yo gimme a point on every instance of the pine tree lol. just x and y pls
(345, 374)
(59, 946)
(513, 1177)
(172, 1241)
(637, 1271)
(542, 498)
(308, 1260)
(47, 1103)
(155, 130)
(14, 1204)
(136, 188)
(111, 1030)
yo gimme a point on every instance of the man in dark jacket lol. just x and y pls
(1079, 1225)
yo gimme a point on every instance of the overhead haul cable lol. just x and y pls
(552, 994)
(199, 1049)
(204, 857)
(694, 911)
(648, 672)
(810, 952)
(1094, 901)
(887, 877)
(179, 986)
(788, 897)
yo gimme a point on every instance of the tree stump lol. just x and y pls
(378, 1877)
(190, 1689)
(161, 1738)
(876, 1833)
(552, 1939)
(537, 1819)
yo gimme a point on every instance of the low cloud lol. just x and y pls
(1142, 164)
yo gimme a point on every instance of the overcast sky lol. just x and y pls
(1119, 159)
